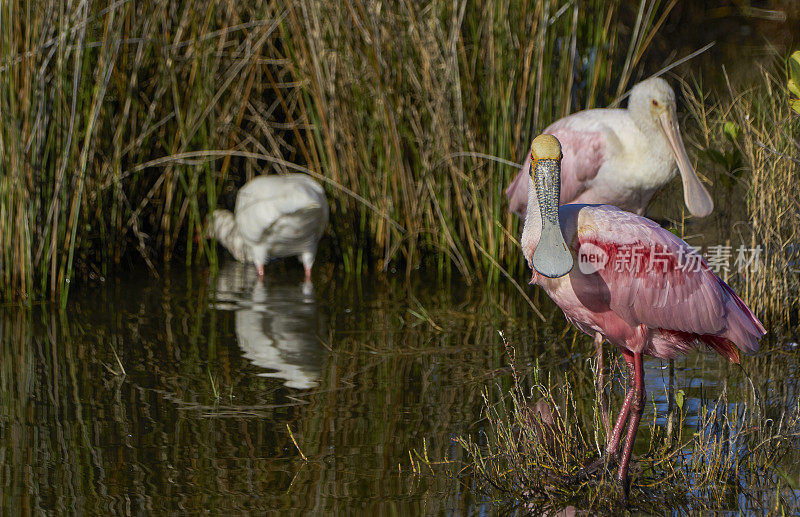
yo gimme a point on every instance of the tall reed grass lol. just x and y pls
(748, 142)
(772, 152)
(403, 101)
(122, 122)
(103, 107)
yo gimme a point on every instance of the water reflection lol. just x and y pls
(277, 324)
(193, 424)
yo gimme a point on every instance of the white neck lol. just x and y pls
(227, 233)
(532, 231)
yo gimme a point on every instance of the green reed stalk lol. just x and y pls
(89, 91)
(375, 99)
(393, 94)
(748, 142)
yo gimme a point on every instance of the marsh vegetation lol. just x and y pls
(125, 124)
(731, 448)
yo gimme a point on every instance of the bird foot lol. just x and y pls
(624, 484)
(603, 465)
(625, 487)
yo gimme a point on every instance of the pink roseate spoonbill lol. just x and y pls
(275, 216)
(637, 285)
(621, 157)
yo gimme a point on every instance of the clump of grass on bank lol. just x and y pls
(748, 141)
(123, 122)
(536, 437)
(771, 150)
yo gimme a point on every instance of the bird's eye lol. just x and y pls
(655, 103)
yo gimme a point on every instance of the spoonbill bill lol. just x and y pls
(275, 216)
(621, 157)
(637, 285)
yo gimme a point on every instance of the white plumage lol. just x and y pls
(275, 216)
(278, 324)
(621, 157)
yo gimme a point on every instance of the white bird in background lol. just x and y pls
(275, 216)
(620, 157)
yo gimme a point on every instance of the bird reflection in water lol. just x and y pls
(277, 324)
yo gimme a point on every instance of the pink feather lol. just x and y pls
(583, 155)
(648, 288)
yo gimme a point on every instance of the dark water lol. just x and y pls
(218, 369)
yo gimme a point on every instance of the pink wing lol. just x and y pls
(652, 277)
(583, 155)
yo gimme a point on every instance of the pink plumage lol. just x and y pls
(636, 285)
(651, 282)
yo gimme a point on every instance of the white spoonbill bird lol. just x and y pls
(621, 157)
(275, 216)
(637, 285)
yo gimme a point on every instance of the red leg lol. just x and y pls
(636, 410)
(622, 419)
(308, 273)
(260, 269)
(609, 458)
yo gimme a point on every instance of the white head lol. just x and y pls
(652, 107)
(223, 228)
(649, 99)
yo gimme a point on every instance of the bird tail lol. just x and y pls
(744, 329)
(724, 347)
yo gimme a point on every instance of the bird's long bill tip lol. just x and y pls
(552, 257)
(697, 198)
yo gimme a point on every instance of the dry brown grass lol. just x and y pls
(752, 133)
(123, 122)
